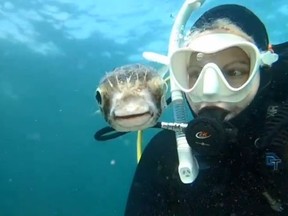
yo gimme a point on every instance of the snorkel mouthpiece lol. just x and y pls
(213, 112)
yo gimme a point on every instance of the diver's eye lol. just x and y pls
(237, 69)
(98, 97)
(234, 73)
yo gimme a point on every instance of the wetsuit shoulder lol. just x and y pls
(164, 140)
(279, 73)
(151, 186)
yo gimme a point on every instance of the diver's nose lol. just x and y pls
(210, 81)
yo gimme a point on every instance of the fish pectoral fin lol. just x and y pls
(163, 102)
(97, 112)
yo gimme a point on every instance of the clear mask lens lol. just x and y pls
(234, 63)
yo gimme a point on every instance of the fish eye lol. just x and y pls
(98, 97)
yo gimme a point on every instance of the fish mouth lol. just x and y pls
(133, 122)
(131, 116)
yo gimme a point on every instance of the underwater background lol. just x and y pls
(52, 55)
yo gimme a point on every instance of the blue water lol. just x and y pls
(52, 56)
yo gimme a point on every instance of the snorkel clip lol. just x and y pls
(268, 58)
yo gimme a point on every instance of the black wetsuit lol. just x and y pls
(232, 185)
(157, 189)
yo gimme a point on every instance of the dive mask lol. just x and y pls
(205, 66)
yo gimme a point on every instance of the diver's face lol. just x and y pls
(216, 75)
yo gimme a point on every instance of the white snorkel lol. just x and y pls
(188, 168)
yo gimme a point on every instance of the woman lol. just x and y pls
(236, 86)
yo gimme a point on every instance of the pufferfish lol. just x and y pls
(132, 97)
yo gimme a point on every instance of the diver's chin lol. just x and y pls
(133, 122)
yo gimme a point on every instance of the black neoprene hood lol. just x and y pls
(242, 17)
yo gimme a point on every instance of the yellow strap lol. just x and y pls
(139, 144)
(140, 136)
